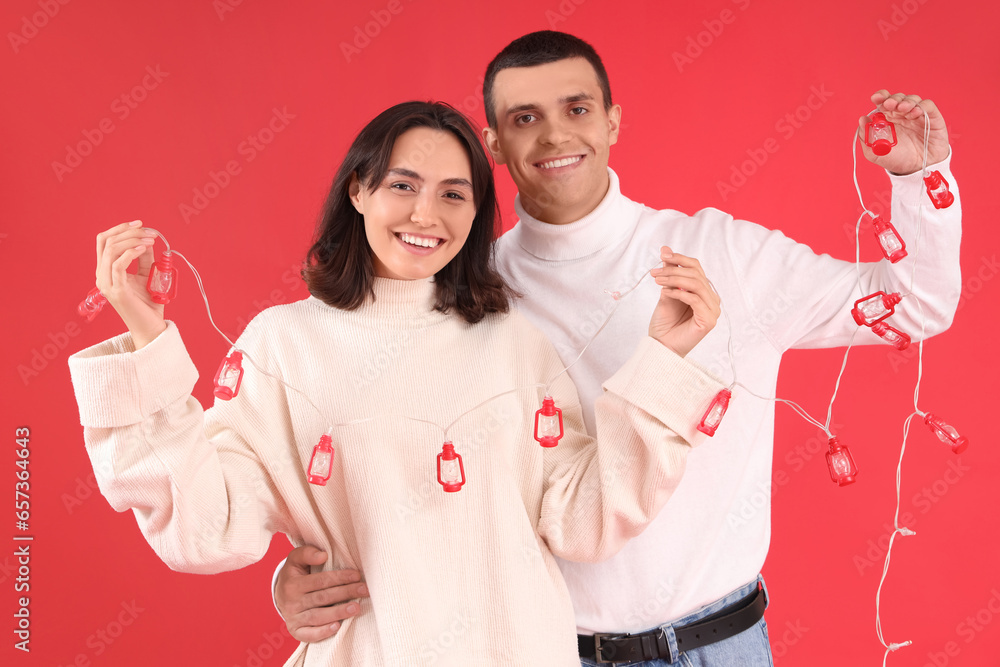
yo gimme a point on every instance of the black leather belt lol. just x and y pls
(652, 645)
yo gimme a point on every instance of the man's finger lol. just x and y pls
(311, 635)
(333, 595)
(319, 616)
(304, 556)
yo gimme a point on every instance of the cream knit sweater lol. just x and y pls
(464, 578)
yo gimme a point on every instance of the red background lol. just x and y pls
(685, 129)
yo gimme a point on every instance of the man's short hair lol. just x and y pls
(539, 48)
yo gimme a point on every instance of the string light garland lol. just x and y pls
(870, 311)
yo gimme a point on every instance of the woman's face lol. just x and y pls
(419, 216)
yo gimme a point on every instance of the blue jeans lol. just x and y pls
(750, 648)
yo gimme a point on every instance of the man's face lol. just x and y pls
(554, 135)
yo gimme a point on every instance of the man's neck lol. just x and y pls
(563, 215)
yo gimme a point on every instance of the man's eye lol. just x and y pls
(578, 111)
(526, 118)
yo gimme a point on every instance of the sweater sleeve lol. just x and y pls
(601, 494)
(799, 299)
(201, 495)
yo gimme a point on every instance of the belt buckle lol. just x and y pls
(598, 657)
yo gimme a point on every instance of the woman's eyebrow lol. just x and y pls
(409, 173)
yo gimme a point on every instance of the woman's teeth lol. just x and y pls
(421, 241)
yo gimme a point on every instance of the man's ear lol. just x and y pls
(492, 141)
(614, 123)
(354, 191)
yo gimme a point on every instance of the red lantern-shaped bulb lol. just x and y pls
(92, 305)
(162, 283)
(946, 433)
(451, 472)
(716, 411)
(229, 376)
(841, 463)
(874, 307)
(894, 337)
(937, 190)
(880, 134)
(321, 462)
(889, 240)
(548, 423)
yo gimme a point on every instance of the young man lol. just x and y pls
(690, 583)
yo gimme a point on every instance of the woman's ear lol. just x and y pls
(354, 191)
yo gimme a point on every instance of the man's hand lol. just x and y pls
(907, 113)
(688, 307)
(313, 605)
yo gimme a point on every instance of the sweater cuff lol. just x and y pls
(118, 386)
(666, 386)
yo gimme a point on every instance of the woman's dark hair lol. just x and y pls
(339, 269)
(540, 48)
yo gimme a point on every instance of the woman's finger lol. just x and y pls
(119, 273)
(103, 237)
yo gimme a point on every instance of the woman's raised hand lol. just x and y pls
(117, 248)
(688, 307)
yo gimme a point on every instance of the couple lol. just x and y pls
(480, 571)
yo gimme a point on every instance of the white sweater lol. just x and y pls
(464, 578)
(777, 294)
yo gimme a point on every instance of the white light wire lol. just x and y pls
(897, 529)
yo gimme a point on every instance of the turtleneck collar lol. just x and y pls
(407, 304)
(599, 229)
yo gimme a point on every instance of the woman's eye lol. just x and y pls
(400, 186)
(455, 195)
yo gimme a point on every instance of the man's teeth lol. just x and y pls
(560, 163)
(419, 240)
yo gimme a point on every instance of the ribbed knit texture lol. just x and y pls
(464, 578)
(713, 535)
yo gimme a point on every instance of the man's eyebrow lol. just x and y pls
(408, 173)
(569, 99)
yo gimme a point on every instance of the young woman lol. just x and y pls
(408, 332)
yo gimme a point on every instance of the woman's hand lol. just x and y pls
(688, 307)
(117, 248)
